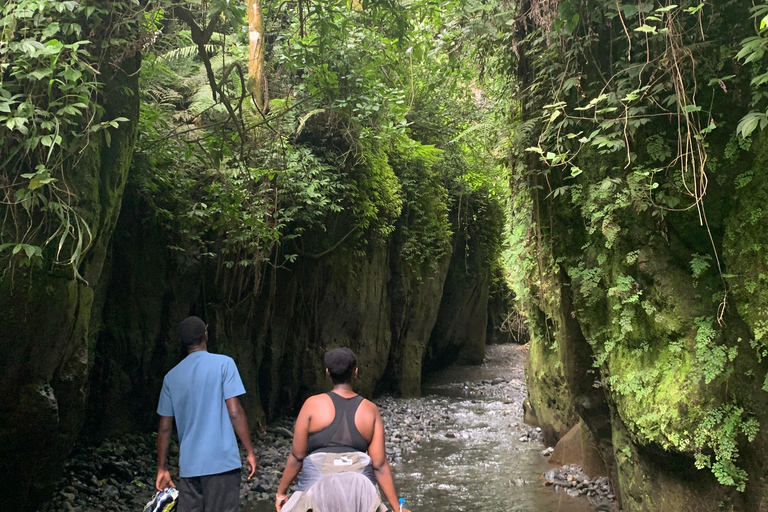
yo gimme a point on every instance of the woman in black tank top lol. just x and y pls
(342, 434)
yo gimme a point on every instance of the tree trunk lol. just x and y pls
(257, 83)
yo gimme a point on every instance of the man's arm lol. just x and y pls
(164, 429)
(240, 423)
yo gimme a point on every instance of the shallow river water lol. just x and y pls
(485, 468)
(473, 451)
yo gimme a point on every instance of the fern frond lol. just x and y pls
(163, 95)
(201, 100)
(185, 52)
(471, 129)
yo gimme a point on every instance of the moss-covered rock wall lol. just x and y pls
(51, 318)
(637, 243)
(373, 302)
(626, 336)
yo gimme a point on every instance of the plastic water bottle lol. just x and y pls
(401, 502)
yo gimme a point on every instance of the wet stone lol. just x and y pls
(574, 482)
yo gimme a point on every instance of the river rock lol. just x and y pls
(578, 447)
(571, 479)
(568, 449)
(592, 462)
(529, 415)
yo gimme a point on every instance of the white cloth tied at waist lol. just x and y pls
(336, 482)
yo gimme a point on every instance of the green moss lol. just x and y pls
(659, 394)
(380, 198)
(547, 363)
(548, 392)
(745, 247)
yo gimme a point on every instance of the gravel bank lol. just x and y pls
(571, 480)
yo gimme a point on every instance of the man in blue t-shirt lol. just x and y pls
(201, 393)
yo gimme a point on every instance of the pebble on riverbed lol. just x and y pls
(572, 480)
(532, 435)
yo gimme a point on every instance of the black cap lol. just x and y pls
(341, 363)
(191, 331)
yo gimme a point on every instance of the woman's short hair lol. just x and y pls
(341, 363)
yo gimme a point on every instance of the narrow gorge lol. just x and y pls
(408, 178)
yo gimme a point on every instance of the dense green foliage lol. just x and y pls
(353, 140)
(371, 117)
(50, 112)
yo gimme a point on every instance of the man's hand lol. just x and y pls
(253, 464)
(164, 428)
(163, 480)
(280, 501)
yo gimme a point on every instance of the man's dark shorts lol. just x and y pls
(211, 493)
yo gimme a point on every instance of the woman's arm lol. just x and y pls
(378, 454)
(298, 452)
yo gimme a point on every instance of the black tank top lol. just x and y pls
(342, 434)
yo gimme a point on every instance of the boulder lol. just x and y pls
(579, 447)
(592, 462)
(568, 448)
(529, 414)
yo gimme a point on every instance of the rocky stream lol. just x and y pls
(461, 447)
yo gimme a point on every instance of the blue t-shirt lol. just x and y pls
(194, 392)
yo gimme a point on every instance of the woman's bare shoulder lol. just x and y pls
(314, 405)
(369, 406)
(321, 399)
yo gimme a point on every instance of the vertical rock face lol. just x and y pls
(146, 294)
(49, 320)
(460, 329)
(505, 325)
(416, 299)
(373, 303)
(277, 338)
(321, 304)
(646, 297)
(439, 309)
(660, 383)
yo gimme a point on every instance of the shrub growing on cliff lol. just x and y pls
(354, 142)
(51, 57)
